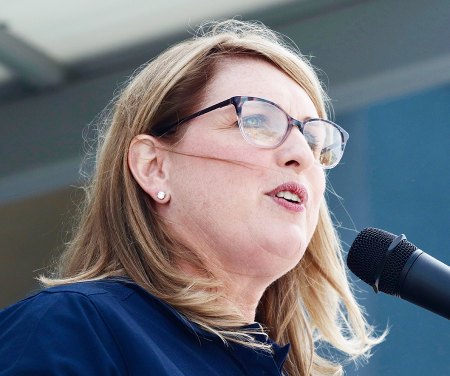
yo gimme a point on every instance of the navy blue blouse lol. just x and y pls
(114, 327)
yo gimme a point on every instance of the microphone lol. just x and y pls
(393, 265)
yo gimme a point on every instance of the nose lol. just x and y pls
(294, 152)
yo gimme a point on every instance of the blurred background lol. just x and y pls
(386, 64)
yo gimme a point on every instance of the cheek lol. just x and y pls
(215, 184)
(213, 167)
(207, 189)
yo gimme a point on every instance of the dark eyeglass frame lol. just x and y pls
(238, 102)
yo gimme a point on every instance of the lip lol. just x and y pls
(292, 187)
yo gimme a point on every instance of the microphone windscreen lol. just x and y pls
(368, 253)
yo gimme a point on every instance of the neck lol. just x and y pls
(244, 294)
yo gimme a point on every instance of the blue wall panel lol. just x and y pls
(396, 176)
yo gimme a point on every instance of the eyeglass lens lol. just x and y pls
(265, 125)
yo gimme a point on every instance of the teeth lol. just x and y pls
(288, 196)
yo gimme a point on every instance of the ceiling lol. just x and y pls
(61, 62)
(55, 36)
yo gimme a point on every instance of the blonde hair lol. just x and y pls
(120, 234)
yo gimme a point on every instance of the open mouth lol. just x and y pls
(289, 196)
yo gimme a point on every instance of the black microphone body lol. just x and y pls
(427, 283)
(391, 264)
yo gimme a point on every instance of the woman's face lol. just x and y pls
(223, 189)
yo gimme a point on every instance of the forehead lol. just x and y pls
(251, 76)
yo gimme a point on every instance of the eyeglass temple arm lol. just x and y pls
(204, 111)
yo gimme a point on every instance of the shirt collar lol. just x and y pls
(279, 353)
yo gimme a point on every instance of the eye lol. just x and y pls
(255, 121)
(314, 143)
(316, 134)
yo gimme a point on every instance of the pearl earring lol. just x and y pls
(161, 195)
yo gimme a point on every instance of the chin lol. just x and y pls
(278, 270)
(286, 257)
(293, 245)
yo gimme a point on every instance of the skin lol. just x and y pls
(217, 198)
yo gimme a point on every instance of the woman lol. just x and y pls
(205, 246)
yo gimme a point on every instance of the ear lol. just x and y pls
(148, 164)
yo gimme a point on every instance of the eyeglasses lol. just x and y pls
(264, 124)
